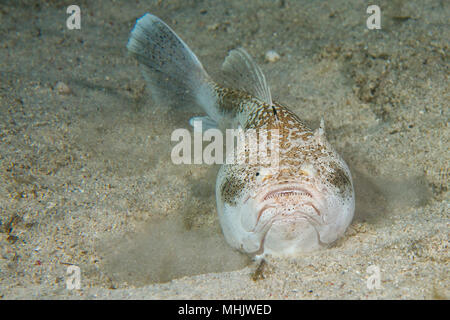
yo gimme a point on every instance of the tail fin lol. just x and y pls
(173, 72)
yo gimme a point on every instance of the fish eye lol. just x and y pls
(257, 174)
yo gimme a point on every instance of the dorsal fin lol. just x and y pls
(241, 72)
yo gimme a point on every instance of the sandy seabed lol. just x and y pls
(85, 171)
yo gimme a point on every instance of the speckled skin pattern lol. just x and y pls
(302, 205)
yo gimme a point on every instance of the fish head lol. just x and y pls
(301, 205)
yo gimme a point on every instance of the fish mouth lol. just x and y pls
(287, 191)
(291, 202)
(285, 194)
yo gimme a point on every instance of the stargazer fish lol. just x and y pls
(303, 204)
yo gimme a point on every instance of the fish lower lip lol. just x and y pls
(298, 213)
(294, 215)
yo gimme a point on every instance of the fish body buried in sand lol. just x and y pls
(307, 202)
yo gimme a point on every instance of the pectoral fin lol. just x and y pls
(202, 123)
